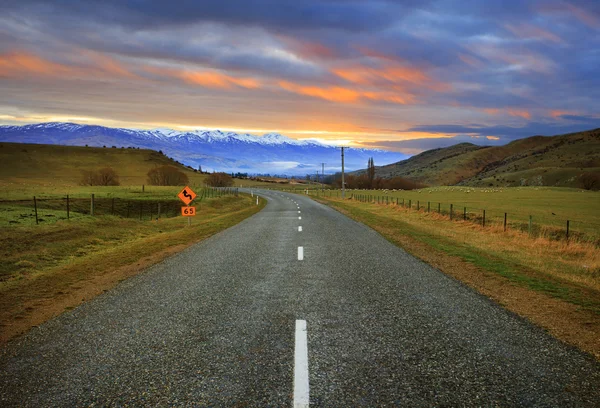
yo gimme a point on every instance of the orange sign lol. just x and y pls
(188, 211)
(186, 195)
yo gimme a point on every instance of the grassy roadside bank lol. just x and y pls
(554, 284)
(47, 269)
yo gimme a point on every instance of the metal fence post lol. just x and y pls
(67, 206)
(92, 206)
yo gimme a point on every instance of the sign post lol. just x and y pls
(187, 195)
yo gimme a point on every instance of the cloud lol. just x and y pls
(531, 32)
(416, 146)
(218, 80)
(508, 133)
(344, 94)
(19, 63)
(519, 112)
(268, 63)
(350, 16)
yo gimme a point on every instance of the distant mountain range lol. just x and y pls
(213, 150)
(534, 161)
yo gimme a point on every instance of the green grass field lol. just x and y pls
(548, 206)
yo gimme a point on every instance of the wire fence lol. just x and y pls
(65, 207)
(559, 229)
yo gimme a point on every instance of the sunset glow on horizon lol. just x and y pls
(371, 74)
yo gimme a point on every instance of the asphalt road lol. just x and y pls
(215, 326)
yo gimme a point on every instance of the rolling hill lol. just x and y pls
(43, 164)
(537, 160)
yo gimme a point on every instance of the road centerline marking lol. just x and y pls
(299, 229)
(300, 253)
(301, 389)
(299, 218)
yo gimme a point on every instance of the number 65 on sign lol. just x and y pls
(188, 211)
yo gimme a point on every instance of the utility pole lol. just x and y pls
(343, 184)
(322, 175)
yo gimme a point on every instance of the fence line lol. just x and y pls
(479, 216)
(93, 205)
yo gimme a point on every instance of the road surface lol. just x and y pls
(271, 314)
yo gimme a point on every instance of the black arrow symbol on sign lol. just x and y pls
(186, 194)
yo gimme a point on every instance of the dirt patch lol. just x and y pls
(563, 320)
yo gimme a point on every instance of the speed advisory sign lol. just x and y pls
(188, 211)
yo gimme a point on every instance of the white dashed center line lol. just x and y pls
(300, 253)
(301, 391)
(299, 229)
(299, 218)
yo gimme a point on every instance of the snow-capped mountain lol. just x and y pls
(213, 150)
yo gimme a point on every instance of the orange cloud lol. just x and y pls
(492, 138)
(389, 69)
(218, 80)
(92, 64)
(519, 112)
(492, 111)
(345, 95)
(558, 113)
(334, 93)
(207, 79)
(371, 76)
(107, 64)
(17, 63)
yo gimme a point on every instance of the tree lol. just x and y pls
(219, 180)
(167, 176)
(371, 172)
(106, 176)
(590, 181)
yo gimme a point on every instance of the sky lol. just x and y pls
(402, 75)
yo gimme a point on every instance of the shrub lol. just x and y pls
(219, 180)
(167, 176)
(106, 176)
(590, 181)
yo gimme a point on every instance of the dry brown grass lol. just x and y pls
(572, 261)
